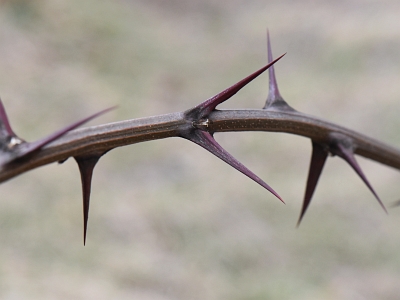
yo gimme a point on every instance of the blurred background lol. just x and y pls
(168, 220)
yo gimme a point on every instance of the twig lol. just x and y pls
(197, 125)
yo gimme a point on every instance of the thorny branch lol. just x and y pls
(198, 125)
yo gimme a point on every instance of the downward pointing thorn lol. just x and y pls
(318, 159)
(207, 141)
(342, 147)
(86, 165)
(348, 156)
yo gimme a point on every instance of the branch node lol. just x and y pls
(199, 131)
(202, 124)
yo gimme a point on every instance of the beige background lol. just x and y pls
(168, 220)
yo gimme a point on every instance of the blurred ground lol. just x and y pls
(168, 220)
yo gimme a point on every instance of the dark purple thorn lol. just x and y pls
(274, 100)
(207, 141)
(342, 147)
(27, 148)
(206, 107)
(5, 126)
(273, 85)
(318, 158)
(86, 165)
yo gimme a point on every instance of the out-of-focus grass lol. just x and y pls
(168, 220)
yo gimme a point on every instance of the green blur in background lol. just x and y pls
(167, 219)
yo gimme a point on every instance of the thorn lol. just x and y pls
(4, 123)
(274, 99)
(207, 141)
(33, 146)
(86, 165)
(13, 148)
(273, 94)
(318, 158)
(17, 148)
(205, 108)
(9, 141)
(343, 147)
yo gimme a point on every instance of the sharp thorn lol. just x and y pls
(207, 141)
(5, 126)
(18, 148)
(86, 165)
(343, 149)
(206, 107)
(28, 148)
(273, 85)
(274, 99)
(351, 160)
(318, 158)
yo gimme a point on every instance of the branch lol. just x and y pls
(98, 138)
(197, 125)
(103, 137)
(304, 125)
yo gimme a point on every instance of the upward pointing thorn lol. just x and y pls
(274, 99)
(31, 147)
(273, 85)
(206, 107)
(5, 126)
(13, 148)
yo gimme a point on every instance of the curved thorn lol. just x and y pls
(318, 159)
(209, 105)
(207, 141)
(86, 165)
(342, 149)
(33, 146)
